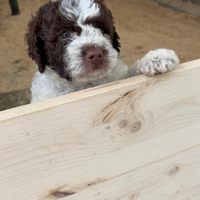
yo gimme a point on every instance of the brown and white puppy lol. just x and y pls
(75, 46)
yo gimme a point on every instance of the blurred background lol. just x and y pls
(143, 25)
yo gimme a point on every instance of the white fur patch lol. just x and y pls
(158, 61)
(49, 84)
(79, 10)
(73, 57)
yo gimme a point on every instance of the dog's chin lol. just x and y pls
(94, 71)
(91, 76)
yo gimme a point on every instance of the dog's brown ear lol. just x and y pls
(35, 41)
(116, 38)
(107, 12)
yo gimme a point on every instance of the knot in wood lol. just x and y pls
(124, 123)
(136, 126)
(59, 194)
(173, 171)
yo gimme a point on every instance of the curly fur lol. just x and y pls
(62, 61)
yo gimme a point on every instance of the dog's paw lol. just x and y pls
(157, 62)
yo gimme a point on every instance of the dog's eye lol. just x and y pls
(65, 35)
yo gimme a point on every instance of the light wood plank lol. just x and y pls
(88, 142)
(171, 178)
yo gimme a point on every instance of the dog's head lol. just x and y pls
(76, 38)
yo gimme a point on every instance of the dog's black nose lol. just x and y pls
(94, 56)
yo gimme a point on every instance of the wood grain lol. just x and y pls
(135, 139)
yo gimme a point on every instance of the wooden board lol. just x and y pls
(135, 139)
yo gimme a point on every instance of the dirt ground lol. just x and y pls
(143, 25)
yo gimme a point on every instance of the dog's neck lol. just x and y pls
(65, 86)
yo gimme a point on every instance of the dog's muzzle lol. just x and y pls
(94, 59)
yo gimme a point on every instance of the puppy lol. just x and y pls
(75, 46)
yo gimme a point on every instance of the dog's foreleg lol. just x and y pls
(155, 62)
